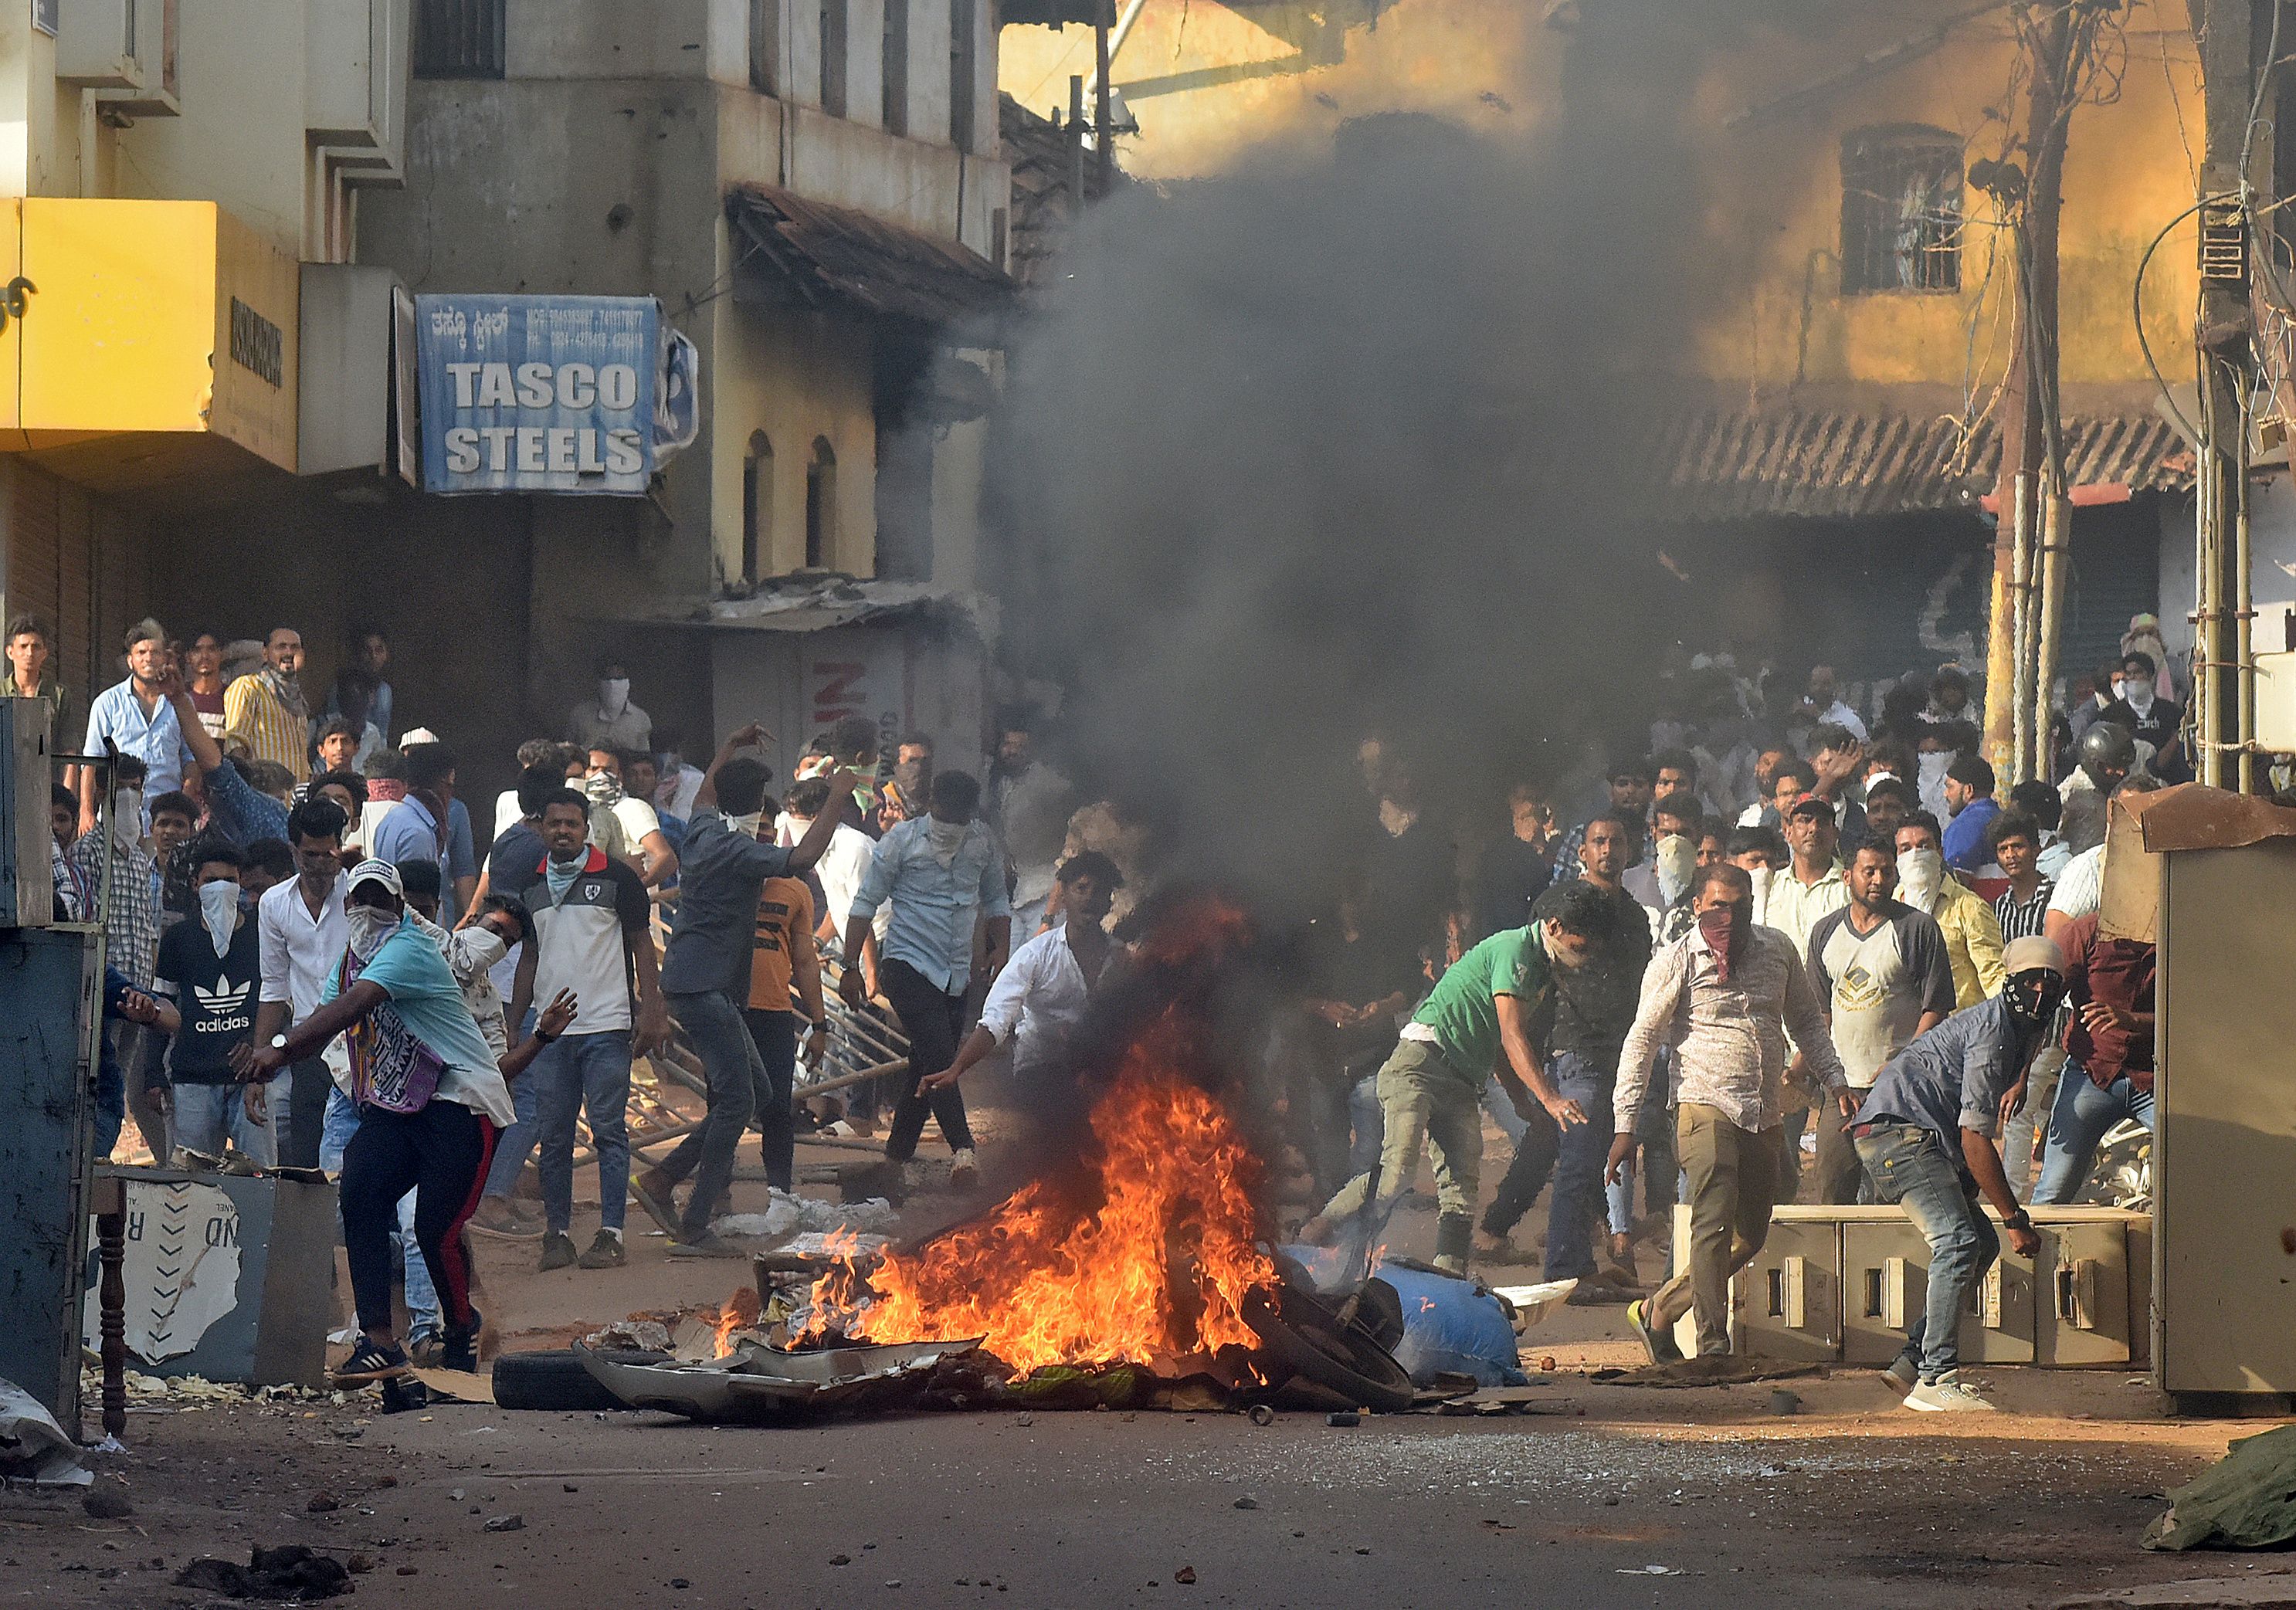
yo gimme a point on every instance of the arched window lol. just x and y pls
(820, 504)
(1901, 187)
(756, 507)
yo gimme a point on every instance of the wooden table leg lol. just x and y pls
(111, 1310)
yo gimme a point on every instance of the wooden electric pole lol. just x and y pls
(2223, 697)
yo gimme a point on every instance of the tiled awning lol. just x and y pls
(1722, 465)
(816, 255)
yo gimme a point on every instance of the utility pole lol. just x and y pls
(1104, 142)
(2223, 693)
(2032, 524)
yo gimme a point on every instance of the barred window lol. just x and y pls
(1900, 209)
(459, 39)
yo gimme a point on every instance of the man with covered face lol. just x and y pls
(1480, 1020)
(1724, 996)
(1927, 1135)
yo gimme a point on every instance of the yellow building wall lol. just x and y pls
(797, 377)
(1209, 82)
(1770, 306)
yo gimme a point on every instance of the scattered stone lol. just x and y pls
(1783, 1401)
(840, 1559)
(456, 1494)
(571, 1487)
(1025, 1419)
(385, 1480)
(324, 1503)
(679, 1581)
(892, 1582)
(1343, 1417)
(507, 1523)
(360, 1564)
(105, 1504)
(1363, 1551)
(1247, 1503)
(290, 1572)
(1185, 1576)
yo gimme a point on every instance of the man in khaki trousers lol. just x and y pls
(1724, 996)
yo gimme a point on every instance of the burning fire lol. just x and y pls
(739, 1311)
(1160, 1270)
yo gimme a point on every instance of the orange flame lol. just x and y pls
(1160, 1270)
(738, 1312)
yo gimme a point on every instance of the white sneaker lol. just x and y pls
(1946, 1395)
(964, 1169)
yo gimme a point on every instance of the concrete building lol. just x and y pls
(165, 217)
(813, 191)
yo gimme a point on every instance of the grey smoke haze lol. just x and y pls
(1335, 441)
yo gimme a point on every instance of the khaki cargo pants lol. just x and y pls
(1734, 1176)
(1423, 1102)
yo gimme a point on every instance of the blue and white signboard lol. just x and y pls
(545, 394)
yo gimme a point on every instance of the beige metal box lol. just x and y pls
(2224, 1099)
(1885, 1265)
(1787, 1304)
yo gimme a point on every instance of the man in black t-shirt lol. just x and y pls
(210, 965)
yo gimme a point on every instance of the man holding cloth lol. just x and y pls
(1725, 995)
(1927, 1135)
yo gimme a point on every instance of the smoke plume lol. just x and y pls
(1338, 441)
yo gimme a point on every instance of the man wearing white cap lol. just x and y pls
(1927, 1134)
(431, 1098)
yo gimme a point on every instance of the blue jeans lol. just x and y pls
(207, 1116)
(1662, 1177)
(735, 1072)
(1581, 1153)
(2078, 1121)
(341, 1122)
(515, 1144)
(1910, 1165)
(588, 1073)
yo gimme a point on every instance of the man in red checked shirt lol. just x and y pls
(2108, 1074)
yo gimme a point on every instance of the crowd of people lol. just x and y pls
(1785, 954)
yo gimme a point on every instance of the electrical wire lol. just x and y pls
(2136, 307)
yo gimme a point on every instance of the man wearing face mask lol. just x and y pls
(1664, 879)
(301, 925)
(592, 937)
(611, 718)
(2149, 718)
(211, 966)
(1724, 996)
(1926, 1133)
(908, 794)
(641, 827)
(1972, 934)
(1879, 967)
(431, 1096)
(945, 877)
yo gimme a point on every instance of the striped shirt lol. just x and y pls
(2021, 920)
(255, 716)
(131, 924)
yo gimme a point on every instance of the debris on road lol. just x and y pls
(2245, 1500)
(292, 1573)
(32, 1446)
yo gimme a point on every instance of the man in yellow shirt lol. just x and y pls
(1972, 934)
(266, 713)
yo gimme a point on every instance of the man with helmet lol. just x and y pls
(1927, 1135)
(2104, 756)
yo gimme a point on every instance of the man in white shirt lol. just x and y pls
(1824, 701)
(641, 829)
(611, 718)
(1040, 997)
(300, 926)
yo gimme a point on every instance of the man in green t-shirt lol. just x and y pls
(1479, 1020)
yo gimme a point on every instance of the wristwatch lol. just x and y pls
(279, 1042)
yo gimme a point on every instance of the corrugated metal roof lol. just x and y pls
(816, 255)
(1042, 158)
(1722, 465)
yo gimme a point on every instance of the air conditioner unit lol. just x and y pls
(98, 43)
(152, 27)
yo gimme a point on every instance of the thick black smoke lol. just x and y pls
(1343, 440)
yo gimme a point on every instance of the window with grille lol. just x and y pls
(1900, 210)
(963, 68)
(458, 38)
(894, 66)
